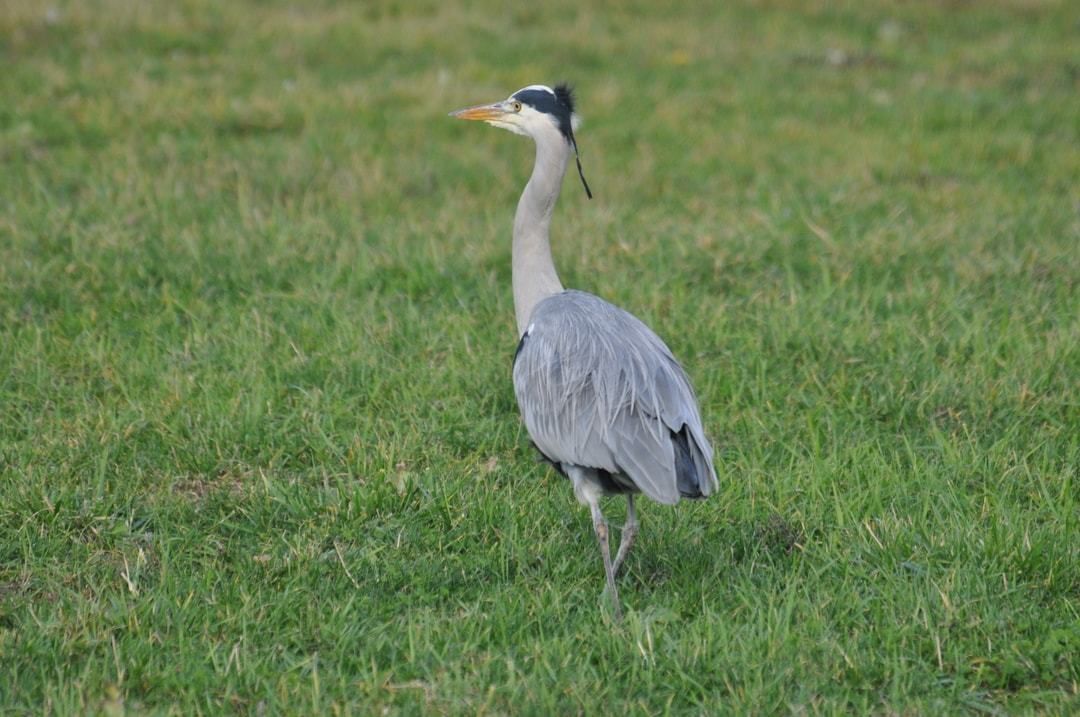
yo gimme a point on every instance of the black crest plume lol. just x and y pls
(564, 94)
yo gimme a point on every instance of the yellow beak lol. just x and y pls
(480, 112)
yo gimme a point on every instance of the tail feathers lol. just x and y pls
(691, 481)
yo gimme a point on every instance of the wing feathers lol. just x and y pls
(598, 389)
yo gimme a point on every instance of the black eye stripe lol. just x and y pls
(539, 99)
(544, 101)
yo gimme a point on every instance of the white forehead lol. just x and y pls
(542, 88)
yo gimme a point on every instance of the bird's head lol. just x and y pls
(536, 111)
(531, 111)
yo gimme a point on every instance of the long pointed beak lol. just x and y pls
(481, 112)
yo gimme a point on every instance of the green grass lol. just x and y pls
(259, 450)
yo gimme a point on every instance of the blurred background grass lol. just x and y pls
(258, 440)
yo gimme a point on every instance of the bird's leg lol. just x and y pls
(601, 527)
(629, 532)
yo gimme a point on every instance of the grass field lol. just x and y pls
(258, 441)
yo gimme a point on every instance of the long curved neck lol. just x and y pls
(534, 275)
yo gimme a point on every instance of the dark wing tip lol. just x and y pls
(564, 93)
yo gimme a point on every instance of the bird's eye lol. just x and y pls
(516, 105)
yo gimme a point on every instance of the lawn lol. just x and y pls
(259, 450)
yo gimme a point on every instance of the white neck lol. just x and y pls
(534, 275)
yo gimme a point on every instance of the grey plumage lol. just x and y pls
(601, 395)
(598, 389)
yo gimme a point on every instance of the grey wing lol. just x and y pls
(598, 389)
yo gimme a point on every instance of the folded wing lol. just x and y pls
(598, 389)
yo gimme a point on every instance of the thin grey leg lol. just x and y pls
(601, 527)
(629, 532)
(588, 491)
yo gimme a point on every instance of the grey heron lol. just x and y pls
(601, 395)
